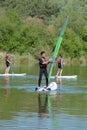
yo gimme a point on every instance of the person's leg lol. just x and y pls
(46, 77)
(40, 77)
(61, 72)
(58, 72)
(8, 69)
(59, 69)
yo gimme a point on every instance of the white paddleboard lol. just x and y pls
(52, 87)
(23, 74)
(65, 77)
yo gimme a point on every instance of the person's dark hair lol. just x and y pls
(60, 55)
(42, 52)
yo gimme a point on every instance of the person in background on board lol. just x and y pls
(60, 62)
(8, 62)
(43, 69)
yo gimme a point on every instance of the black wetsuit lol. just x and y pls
(43, 70)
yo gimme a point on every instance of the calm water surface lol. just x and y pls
(23, 109)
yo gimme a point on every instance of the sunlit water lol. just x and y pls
(21, 108)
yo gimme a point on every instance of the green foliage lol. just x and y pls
(72, 44)
(35, 8)
(84, 34)
(16, 36)
(29, 26)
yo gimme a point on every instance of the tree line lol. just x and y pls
(29, 26)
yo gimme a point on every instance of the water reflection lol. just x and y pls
(7, 86)
(48, 118)
(42, 103)
(59, 86)
(59, 81)
(64, 109)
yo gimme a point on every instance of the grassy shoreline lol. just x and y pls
(29, 60)
(17, 59)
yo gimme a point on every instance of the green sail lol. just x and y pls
(59, 41)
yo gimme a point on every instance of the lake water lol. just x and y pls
(21, 108)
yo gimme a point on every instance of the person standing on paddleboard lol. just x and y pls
(60, 62)
(43, 69)
(7, 61)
